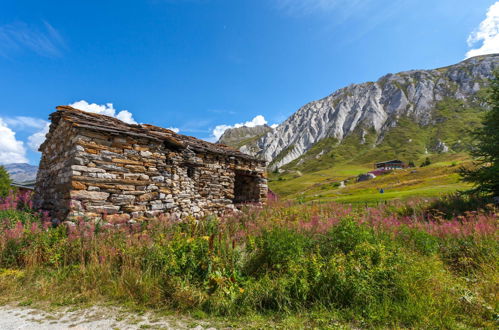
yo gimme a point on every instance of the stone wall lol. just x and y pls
(89, 173)
(53, 182)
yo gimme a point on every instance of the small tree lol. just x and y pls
(4, 182)
(426, 162)
(485, 174)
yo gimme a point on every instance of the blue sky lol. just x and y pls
(198, 64)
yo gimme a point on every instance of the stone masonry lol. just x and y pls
(96, 166)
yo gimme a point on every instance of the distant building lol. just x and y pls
(24, 186)
(390, 165)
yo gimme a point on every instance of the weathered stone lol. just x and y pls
(158, 178)
(103, 209)
(78, 185)
(136, 168)
(92, 195)
(147, 197)
(117, 217)
(126, 161)
(122, 199)
(87, 169)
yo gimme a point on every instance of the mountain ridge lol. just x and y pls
(21, 172)
(377, 106)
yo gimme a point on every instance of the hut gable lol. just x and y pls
(95, 166)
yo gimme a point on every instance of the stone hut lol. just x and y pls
(98, 166)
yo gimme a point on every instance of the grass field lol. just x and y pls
(439, 178)
(286, 265)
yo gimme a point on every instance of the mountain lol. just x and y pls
(406, 115)
(244, 136)
(21, 172)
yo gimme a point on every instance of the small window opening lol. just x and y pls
(191, 171)
(246, 188)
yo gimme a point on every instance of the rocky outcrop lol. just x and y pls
(243, 136)
(373, 105)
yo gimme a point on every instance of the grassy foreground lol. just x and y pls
(319, 265)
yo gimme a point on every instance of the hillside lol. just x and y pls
(405, 115)
(325, 185)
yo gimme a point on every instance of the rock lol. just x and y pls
(158, 178)
(122, 199)
(440, 147)
(107, 209)
(91, 195)
(365, 177)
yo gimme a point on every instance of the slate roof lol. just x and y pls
(113, 126)
(393, 161)
(30, 185)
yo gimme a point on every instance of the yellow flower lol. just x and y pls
(241, 290)
(207, 238)
(190, 239)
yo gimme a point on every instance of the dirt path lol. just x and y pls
(13, 317)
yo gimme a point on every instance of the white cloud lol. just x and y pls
(36, 139)
(487, 33)
(220, 129)
(104, 109)
(30, 125)
(11, 150)
(175, 129)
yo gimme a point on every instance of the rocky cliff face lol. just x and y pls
(373, 105)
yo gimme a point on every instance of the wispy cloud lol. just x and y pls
(43, 40)
(25, 123)
(334, 14)
(487, 33)
(222, 111)
(307, 7)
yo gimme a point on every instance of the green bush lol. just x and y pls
(5, 182)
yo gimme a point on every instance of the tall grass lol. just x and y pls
(373, 266)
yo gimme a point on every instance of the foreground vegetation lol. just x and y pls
(413, 264)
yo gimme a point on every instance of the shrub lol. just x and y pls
(5, 182)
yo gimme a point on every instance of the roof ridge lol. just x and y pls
(100, 122)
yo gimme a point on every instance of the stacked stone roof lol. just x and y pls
(113, 126)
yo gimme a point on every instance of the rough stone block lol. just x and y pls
(90, 195)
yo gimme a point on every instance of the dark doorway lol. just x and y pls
(246, 188)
